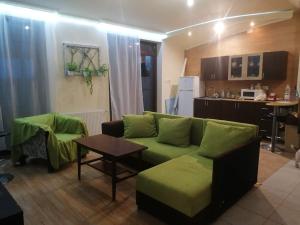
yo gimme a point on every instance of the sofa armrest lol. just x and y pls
(113, 128)
(69, 124)
(234, 173)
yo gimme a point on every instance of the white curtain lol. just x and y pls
(125, 75)
(24, 85)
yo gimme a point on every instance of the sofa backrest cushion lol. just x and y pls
(158, 116)
(137, 126)
(220, 138)
(232, 123)
(175, 131)
(197, 128)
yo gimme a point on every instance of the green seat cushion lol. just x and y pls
(67, 137)
(175, 131)
(158, 153)
(67, 148)
(183, 183)
(219, 138)
(136, 126)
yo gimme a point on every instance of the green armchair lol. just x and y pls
(58, 130)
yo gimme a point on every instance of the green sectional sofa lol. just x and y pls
(182, 187)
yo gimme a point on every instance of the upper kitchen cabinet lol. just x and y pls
(245, 67)
(236, 68)
(215, 68)
(254, 66)
(275, 65)
(257, 66)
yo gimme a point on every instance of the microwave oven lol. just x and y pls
(250, 94)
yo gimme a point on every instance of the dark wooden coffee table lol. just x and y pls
(112, 150)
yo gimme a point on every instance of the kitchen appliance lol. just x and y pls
(189, 87)
(251, 94)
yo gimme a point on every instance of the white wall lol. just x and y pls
(172, 59)
(71, 94)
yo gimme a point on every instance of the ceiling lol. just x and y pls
(159, 15)
(205, 33)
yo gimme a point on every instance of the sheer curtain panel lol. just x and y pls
(24, 86)
(125, 75)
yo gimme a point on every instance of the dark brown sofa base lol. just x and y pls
(170, 215)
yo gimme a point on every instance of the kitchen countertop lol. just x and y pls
(282, 103)
(231, 99)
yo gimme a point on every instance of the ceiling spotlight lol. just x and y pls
(190, 3)
(189, 33)
(219, 27)
(27, 27)
(252, 24)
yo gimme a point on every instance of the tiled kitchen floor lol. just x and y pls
(275, 202)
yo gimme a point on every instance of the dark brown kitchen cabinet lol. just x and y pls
(208, 68)
(207, 108)
(275, 65)
(215, 68)
(199, 108)
(213, 109)
(246, 112)
(239, 111)
(228, 110)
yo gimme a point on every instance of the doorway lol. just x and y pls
(149, 74)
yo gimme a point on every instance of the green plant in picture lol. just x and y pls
(103, 70)
(87, 74)
(72, 67)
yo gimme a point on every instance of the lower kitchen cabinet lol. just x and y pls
(207, 108)
(238, 111)
(228, 109)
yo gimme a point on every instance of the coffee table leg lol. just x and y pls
(113, 180)
(79, 161)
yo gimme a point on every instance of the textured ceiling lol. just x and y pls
(159, 15)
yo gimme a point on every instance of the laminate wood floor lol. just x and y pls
(60, 199)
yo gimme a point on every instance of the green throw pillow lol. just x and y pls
(137, 126)
(175, 131)
(219, 139)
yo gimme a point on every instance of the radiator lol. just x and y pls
(92, 119)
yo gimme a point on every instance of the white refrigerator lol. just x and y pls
(189, 87)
